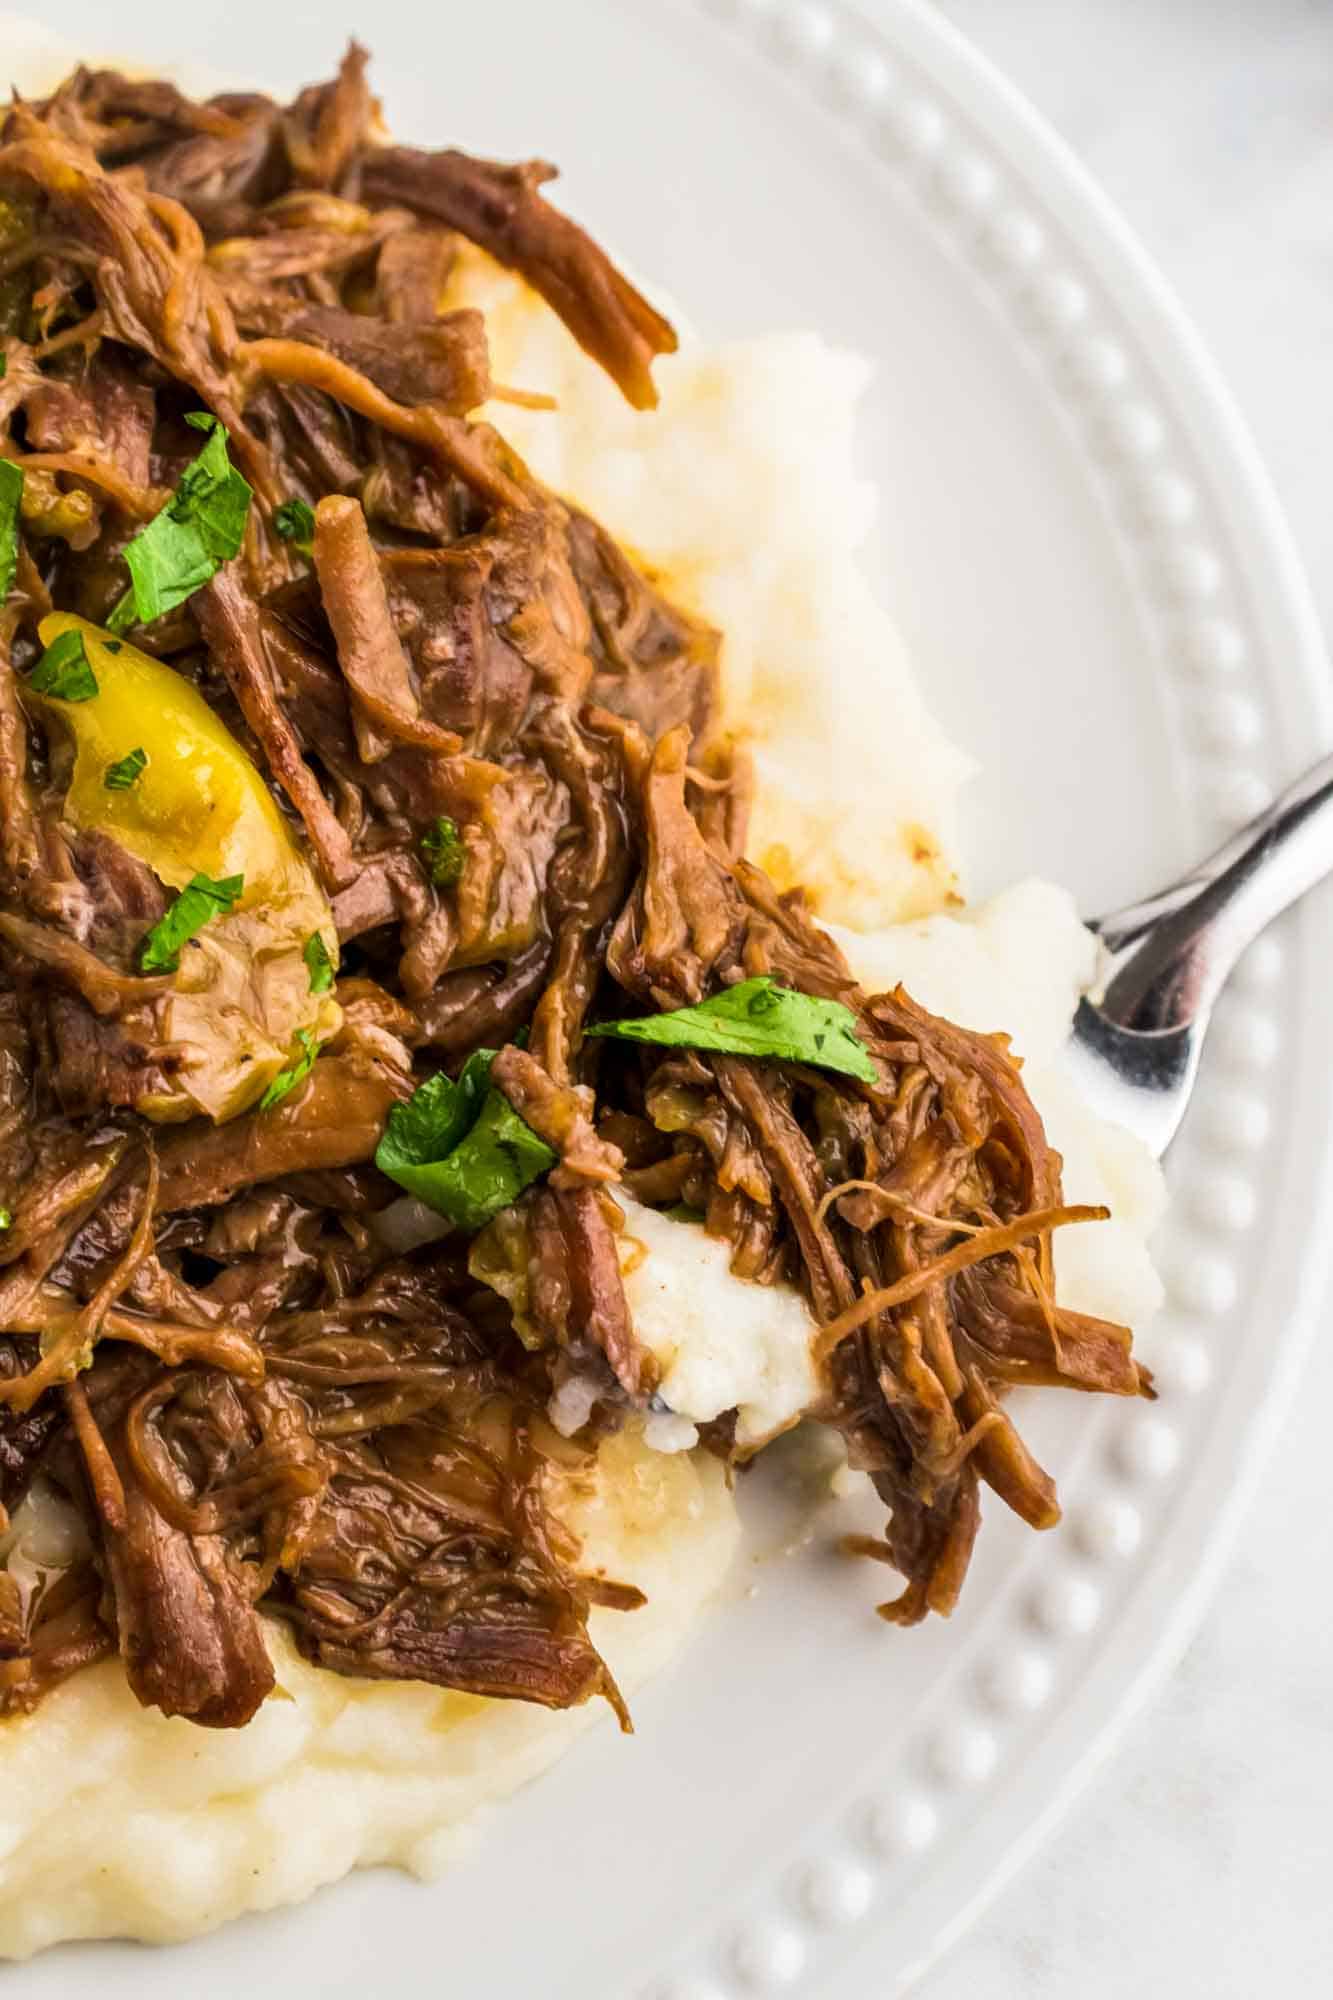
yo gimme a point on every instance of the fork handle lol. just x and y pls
(1171, 953)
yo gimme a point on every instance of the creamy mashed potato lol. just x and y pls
(741, 493)
(722, 1344)
(118, 1822)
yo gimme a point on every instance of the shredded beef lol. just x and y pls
(189, 1637)
(497, 742)
(499, 208)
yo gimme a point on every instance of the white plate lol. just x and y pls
(1090, 569)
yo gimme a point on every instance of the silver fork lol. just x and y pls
(1136, 1047)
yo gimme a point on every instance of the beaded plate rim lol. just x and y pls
(1238, 637)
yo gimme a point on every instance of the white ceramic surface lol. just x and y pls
(1071, 516)
(1208, 123)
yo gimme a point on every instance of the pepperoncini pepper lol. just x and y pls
(241, 997)
(17, 217)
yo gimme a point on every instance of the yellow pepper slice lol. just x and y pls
(199, 806)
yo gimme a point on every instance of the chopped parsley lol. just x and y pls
(295, 522)
(11, 492)
(201, 527)
(461, 1148)
(318, 963)
(443, 851)
(6, 1218)
(122, 774)
(759, 1018)
(296, 1071)
(64, 670)
(197, 904)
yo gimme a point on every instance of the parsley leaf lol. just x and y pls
(436, 1116)
(318, 963)
(6, 1218)
(759, 1018)
(295, 522)
(201, 527)
(461, 1147)
(64, 670)
(197, 904)
(296, 1071)
(122, 774)
(11, 492)
(442, 846)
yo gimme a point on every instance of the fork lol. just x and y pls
(1135, 1048)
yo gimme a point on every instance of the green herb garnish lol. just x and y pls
(201, 527)
(122, 774)
(442, 848)
(197, 904)
(461, 1147)
(6, 1218)
(296, 1071)
(64, 670)
(11, 492)
(4, 364)
(318, 963)
(295, 522)
(759, 1018)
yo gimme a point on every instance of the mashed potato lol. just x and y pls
(118, 1822)
(741, 493)
(722, 1344)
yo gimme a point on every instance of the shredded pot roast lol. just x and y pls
(373, 907)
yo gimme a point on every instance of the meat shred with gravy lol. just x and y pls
(215, 1345)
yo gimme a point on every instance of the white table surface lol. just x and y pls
(1201, 1864)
